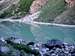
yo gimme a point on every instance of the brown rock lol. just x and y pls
(67, 17)
(70, 3)
(36, 5)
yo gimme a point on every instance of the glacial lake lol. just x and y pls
(36, 32)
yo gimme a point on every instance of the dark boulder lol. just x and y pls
(54, 43)
(30, 43)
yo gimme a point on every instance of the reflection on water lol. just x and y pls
(37, 32)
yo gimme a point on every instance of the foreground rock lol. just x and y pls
(50, 48)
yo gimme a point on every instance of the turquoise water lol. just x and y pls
(19, 30)
(38, 32)
(46, 32)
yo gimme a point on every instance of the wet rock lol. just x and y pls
(30, 43)
(73, 54)
(51, 48)
(4, 49)
(15, 53)
(18, 41)
(54, 43)
(35, 52)
(53, 54)
(2, 43)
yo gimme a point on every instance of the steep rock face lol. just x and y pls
(7, 7)
(67, 17)
(6, 4)
(14, 8)
(70, 3)
(51, 10)
(37, 5)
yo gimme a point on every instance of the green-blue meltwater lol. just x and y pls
(37, 32)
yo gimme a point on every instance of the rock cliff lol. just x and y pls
(37, 5)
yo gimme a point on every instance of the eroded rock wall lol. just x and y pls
(37, 5)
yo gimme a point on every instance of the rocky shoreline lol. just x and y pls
(18, 47)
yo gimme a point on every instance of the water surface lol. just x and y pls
(37, 33)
